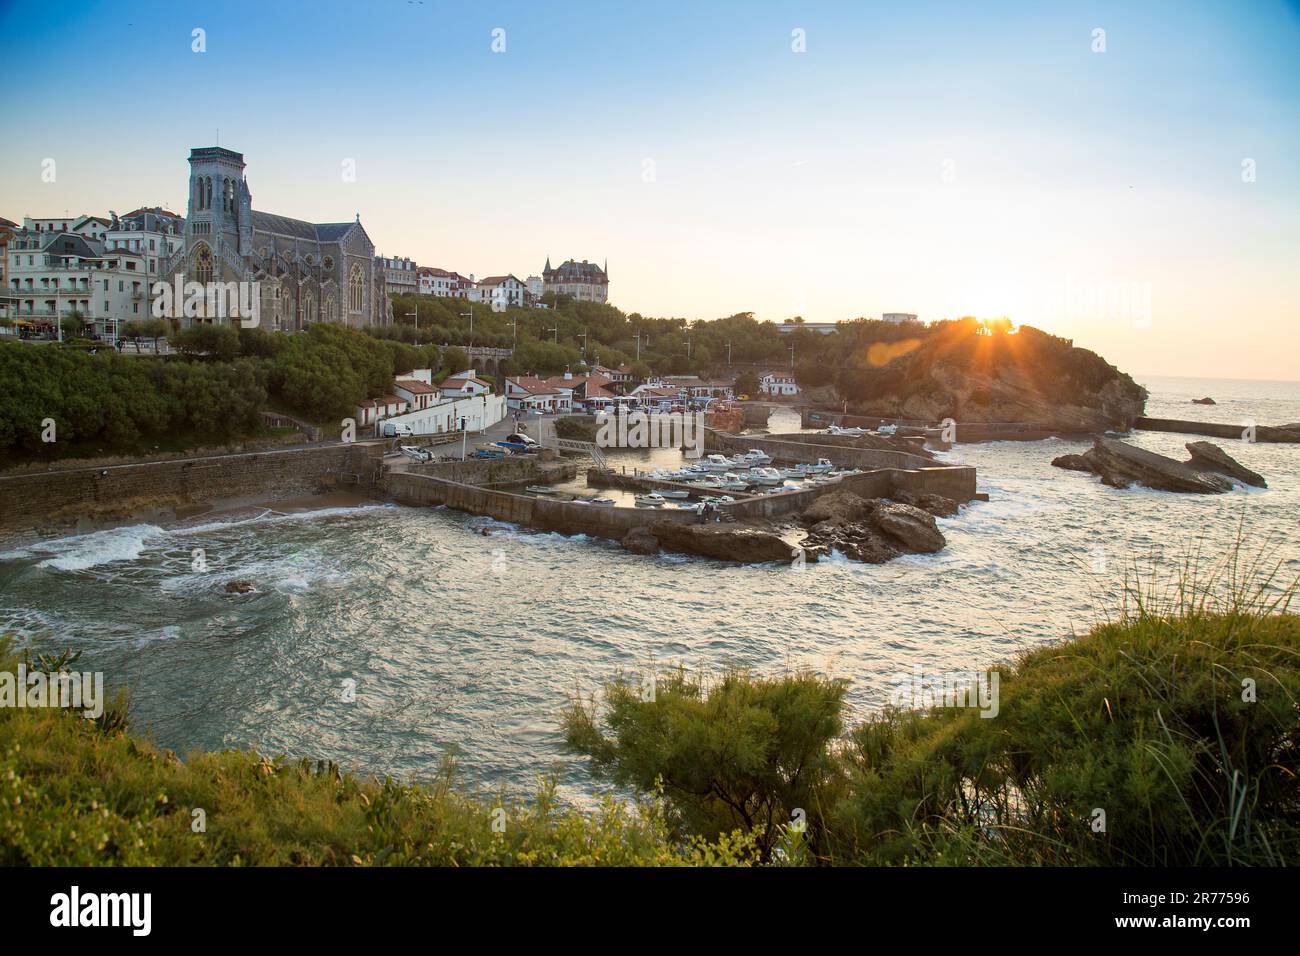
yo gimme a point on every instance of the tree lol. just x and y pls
(455, 359)
(747, 383)
(746, 753)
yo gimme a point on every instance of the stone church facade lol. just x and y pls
(306, 272)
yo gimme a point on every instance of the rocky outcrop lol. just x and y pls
(937, 505)
(1210, 457)
(641, 541)
(1204, 401)
(874, 530)
(733, 542)
(239, 587)
(1119, 464)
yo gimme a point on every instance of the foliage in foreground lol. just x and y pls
(75, 792)
(1178, 722)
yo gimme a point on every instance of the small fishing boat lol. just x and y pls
(886, 429)
(766, 476)
(717, 463)
(416, 453)
(599, 502)
(651, 500)
(755, 457)
(673, 494)
(733, 482)
(540, 489)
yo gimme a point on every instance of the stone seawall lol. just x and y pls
(1264, 433)
(81, 499)
(808, 452)
(533, 512)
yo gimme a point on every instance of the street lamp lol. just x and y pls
(470, 314)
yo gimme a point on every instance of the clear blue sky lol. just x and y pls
(924, 157)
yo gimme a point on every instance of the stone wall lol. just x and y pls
(80, 499)
(809, 452)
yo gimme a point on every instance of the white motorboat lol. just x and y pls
(673, 494)
(766, 476)
(710, 482)
(755, 457)
(599, 502)
(540, 489)
(717, 463)
(886, 429)
(652, 500)
(851, 432)
(721, 500)
(733, 482)
(416, 453)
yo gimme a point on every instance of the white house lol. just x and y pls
(778, 383)
(442, 283)
(475, 414)
(419, 395)
(898, 317)
(375, 409)
(464, 385)
(506, 289)
(530, 394)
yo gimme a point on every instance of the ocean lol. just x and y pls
(460, 644)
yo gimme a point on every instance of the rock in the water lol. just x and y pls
(937, 505)
(1072, 462)
(839, 507)
(641, 541)
(1120, 465)
(735, 542)
(913, 528)
(1204, 401)
(858, 541)
(239, 587)
(1207, 456)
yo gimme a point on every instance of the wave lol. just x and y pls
(81, 552)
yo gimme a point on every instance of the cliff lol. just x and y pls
(968, 372)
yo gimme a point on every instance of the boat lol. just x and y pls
(540, 489)
(651, 500)
(673, 494)
(711, 482)
(886, 429)
(599, 502)
(766, 476)
(722, 500)
(416, 453)
(755, 457)
(717, 463)
(851, 432)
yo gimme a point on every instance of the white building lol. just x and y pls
(778, 383)
(386, 406)
(419, 395)
(401, 276)
(898, 317)
(823, 328)
(442, 283)
(464, 385)
(506, 289)
(474, 414)
(56, 274)
(527, 393)
(92, 227)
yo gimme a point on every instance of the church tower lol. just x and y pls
(218, 227)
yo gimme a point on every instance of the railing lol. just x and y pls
(582, 448)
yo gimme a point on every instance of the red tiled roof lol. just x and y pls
(534, 386)
(415, 386)
(459, 382)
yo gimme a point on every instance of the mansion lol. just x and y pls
(307, 272)
(585, 281)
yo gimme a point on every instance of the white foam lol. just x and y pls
(83, 551)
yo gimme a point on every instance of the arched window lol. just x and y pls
(356, 288)
(203, 265)
(329, 309)
(207, 192)
(306, 309)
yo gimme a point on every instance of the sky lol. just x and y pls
(1135, 189)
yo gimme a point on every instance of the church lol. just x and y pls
(307, 272)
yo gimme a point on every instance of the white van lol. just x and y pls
(397, 430)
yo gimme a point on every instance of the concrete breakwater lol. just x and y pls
(83, 499)
(1264, 433)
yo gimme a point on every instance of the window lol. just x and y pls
(356, 288)
(203, 265)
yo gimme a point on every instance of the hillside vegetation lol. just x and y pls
(1167, 737)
